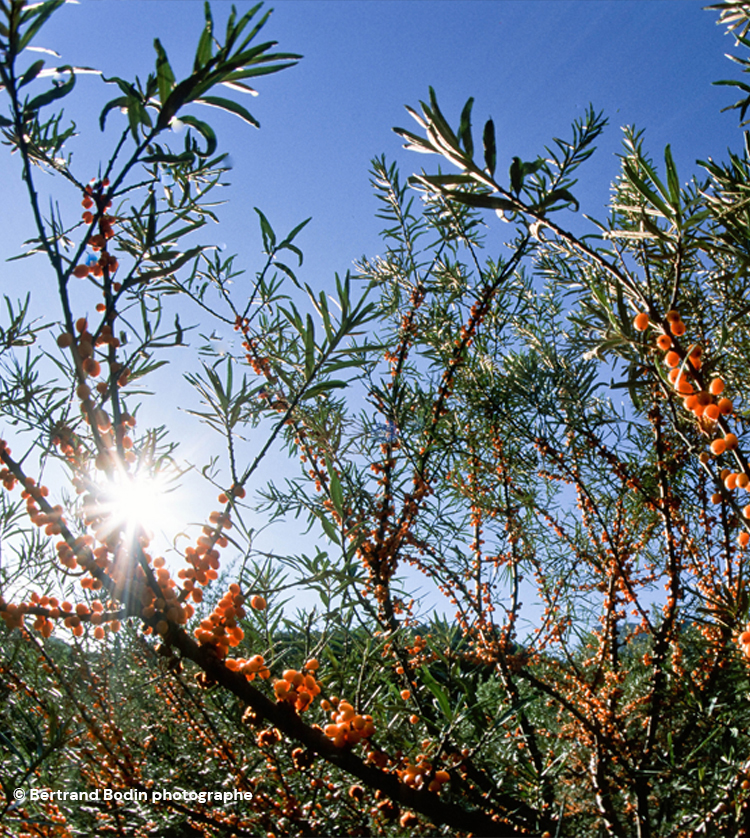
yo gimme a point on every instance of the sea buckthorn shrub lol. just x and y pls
(522, 604)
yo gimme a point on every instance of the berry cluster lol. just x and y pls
(298, 688)
(96, 199)
(417, 774)
(249, 667)
(347, 726)
(706, 402)
(220, 629)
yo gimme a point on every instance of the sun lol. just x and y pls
(137, 503)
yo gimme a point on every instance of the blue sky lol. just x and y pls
(533, 65)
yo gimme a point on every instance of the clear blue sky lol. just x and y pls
(533, 65)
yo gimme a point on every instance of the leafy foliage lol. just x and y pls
(552, 444)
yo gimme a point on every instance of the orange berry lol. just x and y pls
(405, 694)
(296, 679)
(716, 387)
(731, 441)
(683, 386)
(81, 325)
(743, 538)
(725, 407)
(678, 328)
(408, 820)
(356, 792)
(312, 664)
(743, 481)
(712, 412)
(258, 603)
(718, 446)
(673, 316)
(664, 342)
(281, 688)
(672, 359)
(65, 340)
(81, 271)
(641, 321)
(92, 367)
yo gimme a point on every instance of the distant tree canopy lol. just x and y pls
(553, 446)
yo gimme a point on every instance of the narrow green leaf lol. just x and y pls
(243, 22)
(440, 123)
(151, 223)
(646, 191)
(31, 73)
(337, 494)
(42, 14)
(269, 237)
(651, 172)
(301, 226)
(52, 94)
(490, 147)
(464, 129)
(248, 73)
(516, 175)
(164, 76)
(120, 102)
(206, 131)
(323, 387)
(205, 45)
(622, 312)
(294, 249)
(482, 201)
(446, 180)
(160, 156)
(560, 195)
(229, 106)
(673, 181)
(169, 268)
(288, 271)
(133, 119)
(329, 529)
(414, 142)
(309, 348)
(437, 691)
